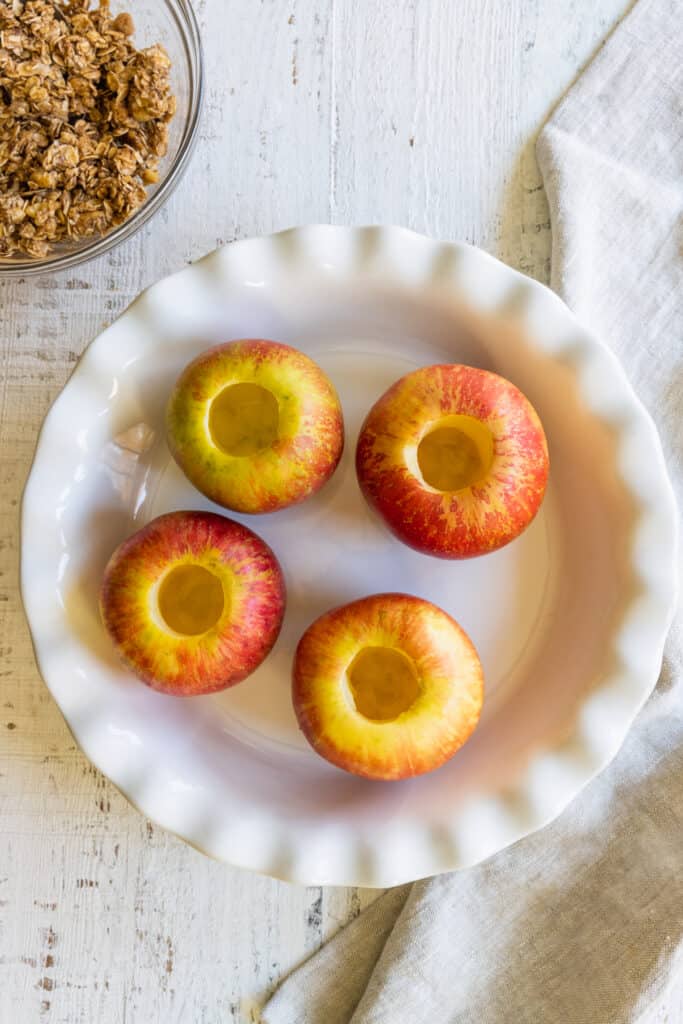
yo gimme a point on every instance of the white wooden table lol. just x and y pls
(415, 112)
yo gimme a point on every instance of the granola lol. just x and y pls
(84, 121)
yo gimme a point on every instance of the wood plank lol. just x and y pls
(419, 113)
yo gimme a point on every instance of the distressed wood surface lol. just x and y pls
(416, 112)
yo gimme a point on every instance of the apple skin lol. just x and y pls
(421, 738)
(254, 591)
(477, 519)
(300, 461)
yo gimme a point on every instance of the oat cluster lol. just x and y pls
(83, 121)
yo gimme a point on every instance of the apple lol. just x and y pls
(193, 602)
(255, 425)
(387, 687)
(454, 459)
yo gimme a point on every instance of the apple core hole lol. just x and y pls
(244, 419)
(456, 453)
(191, 600)
(383, 683)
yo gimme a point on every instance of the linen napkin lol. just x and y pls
(583, 921)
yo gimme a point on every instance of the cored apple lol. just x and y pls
(454, 459)
(193, 602)
(255, 425)
(387, 687)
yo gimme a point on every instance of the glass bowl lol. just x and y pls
(172, 23)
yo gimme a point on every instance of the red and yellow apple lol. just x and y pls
(193, 602)
(255, 425)
(454, 459)
(387, 687)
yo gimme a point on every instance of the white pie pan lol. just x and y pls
(569, 620)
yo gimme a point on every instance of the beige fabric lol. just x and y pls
(583, 922)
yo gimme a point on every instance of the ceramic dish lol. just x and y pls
(569, 620)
